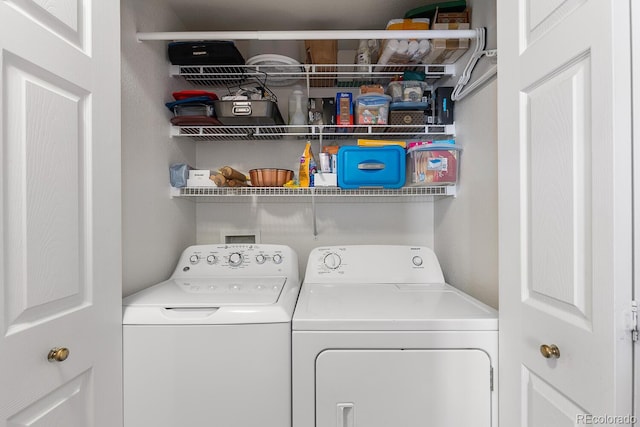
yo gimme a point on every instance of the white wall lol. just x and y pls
(466, 227)
(289, 221)
(378, 221)
(155, 228)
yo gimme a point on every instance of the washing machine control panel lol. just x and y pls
(373, 264)
(251, 259)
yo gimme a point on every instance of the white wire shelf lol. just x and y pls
(204, 193)
(307, 35)
(335, 79)
(326, 132)
(317, 75)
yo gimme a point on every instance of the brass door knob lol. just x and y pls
(58, 354)
(550, 351)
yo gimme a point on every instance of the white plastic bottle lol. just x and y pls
(298, 109)
(364, 55)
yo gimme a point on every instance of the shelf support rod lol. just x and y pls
(309, 35)
(313, 213)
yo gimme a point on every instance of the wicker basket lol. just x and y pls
(407, 118)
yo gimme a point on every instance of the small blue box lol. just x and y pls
(371, 167)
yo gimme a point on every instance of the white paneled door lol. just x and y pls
(565, 178)
(60, 263)
(635, 55)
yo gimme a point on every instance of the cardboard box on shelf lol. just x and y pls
(447, 51)
(344, 108)
(325, 179)
(322, 52)
(454, 17)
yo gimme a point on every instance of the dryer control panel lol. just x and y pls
(236, 259)
(373, 264)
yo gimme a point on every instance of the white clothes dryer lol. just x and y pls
(380, 340)
(212, 345)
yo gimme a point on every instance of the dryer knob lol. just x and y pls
(211, 259)
(417, 261)
(260, 259)
(193, 259)
(277, 258)
(332, 260)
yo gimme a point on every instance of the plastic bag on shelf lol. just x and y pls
(179, 174)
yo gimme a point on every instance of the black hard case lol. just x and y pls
(214, 52)
(444, 106)
(248, 113)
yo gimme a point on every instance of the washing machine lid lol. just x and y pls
(210, 301)
(388, 306)
(210, 292)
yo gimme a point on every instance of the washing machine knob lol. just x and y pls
(277, 258)
(260, 259)
(193, 259)
(235, 259)
(332, 260)
(212, 259)
(417, 261)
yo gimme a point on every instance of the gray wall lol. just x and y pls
(466, 227)
(155, 228)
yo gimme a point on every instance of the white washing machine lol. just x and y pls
(212, 345)
(380, 340)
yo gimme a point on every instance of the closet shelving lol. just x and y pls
(203, 193)
(314, 75)
(257, 132)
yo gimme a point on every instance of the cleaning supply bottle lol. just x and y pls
(304, 172)
(298, 109)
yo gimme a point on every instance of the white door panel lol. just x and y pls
(45, 213)
(64, 406)
(67, 19)
(546, 406)
(538, 17)
(60, 208)
(558, 278)
(565, 212)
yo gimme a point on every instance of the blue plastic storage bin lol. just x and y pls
(371, 167)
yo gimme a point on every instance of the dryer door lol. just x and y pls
(382, 388)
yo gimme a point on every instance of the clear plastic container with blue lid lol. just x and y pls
(406, 90)
(433, 163)
(372, 109)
